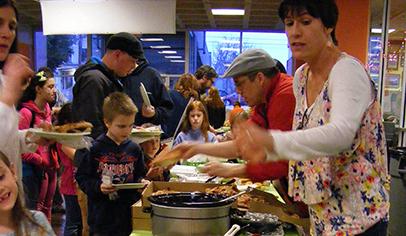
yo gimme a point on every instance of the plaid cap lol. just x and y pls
(250, 60)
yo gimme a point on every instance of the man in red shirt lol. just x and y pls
(270, 94)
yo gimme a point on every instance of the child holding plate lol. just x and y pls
(115, 157)
(39, 168)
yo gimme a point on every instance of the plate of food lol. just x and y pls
(64, 132)
(129, 185)
(150, 131)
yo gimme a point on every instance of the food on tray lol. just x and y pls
(167, 159)
(78, 127)
(227, 190)
(243, 201)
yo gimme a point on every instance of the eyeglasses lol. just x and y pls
(240, 83)
(305, 119)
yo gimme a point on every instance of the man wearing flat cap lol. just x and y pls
(161, 102)
(96, 79)
(269, 92)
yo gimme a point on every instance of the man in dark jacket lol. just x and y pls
(96, 79)
(161, 103)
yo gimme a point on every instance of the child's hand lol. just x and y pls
(107, 188)
(146, 182)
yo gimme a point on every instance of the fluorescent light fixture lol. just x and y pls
(167, 52)
(379, 31)
(173, 57)
(160, 47)
(178, 61)
(152, 39)
(227, 65)
(230, 49)
(228, 12)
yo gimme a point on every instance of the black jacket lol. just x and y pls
(94, 82)
(157, 93)
(126, 161)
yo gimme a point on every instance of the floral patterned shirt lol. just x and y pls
(349, 192)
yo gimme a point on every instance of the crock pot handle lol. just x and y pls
(233, 230)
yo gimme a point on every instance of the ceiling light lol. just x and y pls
(152, 39)
(173, 57)
(167, 52)
(160, 47)
(178, 61)
(228, 12)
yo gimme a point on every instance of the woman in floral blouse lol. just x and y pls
(337, 149)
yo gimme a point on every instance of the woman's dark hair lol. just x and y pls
(325, 10)
(65, 115)
(47, 72)
(40, 79)
(11, 3)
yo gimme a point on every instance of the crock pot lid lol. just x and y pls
(189, 199)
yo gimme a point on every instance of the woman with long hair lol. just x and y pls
(338, 147)
(216, 109)
(15, 219)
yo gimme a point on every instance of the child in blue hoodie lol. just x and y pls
(109, 209)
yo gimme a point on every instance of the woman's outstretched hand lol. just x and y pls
(252, 141)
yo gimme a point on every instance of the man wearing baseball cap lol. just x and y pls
(96, 79)
(161, 103)
(269, 92)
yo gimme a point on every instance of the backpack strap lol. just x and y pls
(33, 114)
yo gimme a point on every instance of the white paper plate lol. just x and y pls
(57, 136)
(129, 186)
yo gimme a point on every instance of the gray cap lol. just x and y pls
(250, 60)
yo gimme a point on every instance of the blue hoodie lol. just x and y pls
(126, 161)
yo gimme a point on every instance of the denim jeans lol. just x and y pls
(31, 185)
(73, 224)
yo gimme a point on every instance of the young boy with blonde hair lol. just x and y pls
(114, 153)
